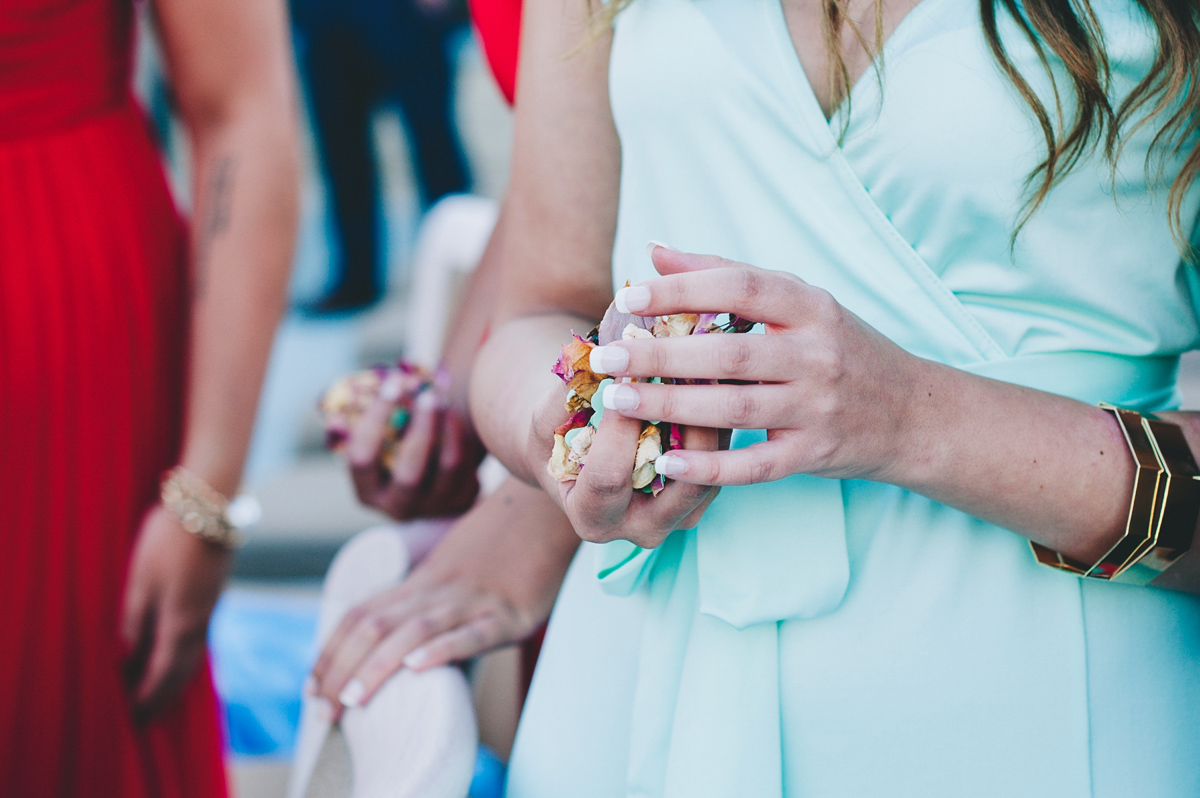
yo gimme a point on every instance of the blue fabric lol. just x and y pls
(262, 650)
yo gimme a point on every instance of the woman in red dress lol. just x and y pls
(127, 347)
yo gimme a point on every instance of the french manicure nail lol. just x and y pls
(652, 244)
(416, 658)
(352, 694)
(620, 397)
(669, 465)
(311, 687)
(392, 387)
(324, 710)
(632, 298)
(608, 359)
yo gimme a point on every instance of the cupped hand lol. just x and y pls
(602, 503)
(433, 466)
(833, 394)
(174, 581)
(492, 580)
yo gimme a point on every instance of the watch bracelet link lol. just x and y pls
(1163, 511)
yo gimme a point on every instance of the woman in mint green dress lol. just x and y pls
(857, 611)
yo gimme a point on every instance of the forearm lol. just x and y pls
(471, 321)
(1050, 468)
(244, 225)
(511, 378)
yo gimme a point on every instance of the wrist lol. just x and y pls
(923, 408)
(199, 508)
(222, 473)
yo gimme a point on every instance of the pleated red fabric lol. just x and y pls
(93, 332)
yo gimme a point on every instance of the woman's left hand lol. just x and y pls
(834, 395)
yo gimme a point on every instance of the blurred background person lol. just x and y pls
(128, 346)
(355, 55)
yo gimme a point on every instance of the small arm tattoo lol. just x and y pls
(218, 202)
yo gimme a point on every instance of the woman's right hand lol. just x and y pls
(491, 581)
(602, 503)
(433, 466)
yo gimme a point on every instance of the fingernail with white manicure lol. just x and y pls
(632, 299)
(352, 694)
(416, 658)
(652, 244)
(669, 465)
(620, 397)
(608, 359)
(311, 687)
(324, 710)
(392, 387)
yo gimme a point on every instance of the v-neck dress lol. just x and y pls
(817, 637)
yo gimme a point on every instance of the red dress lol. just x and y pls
(93, 327)
(499, 26)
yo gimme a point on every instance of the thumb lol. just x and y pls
(134, 611)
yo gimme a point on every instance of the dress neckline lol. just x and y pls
(812, 106)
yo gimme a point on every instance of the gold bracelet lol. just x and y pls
(1163, 511)
(199, 508)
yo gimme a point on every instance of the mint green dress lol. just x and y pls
(843, 638)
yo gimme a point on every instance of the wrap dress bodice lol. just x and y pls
(817, 637)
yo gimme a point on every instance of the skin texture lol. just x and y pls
(433, 468)
(839, 399)
(491, 581)
(230, 66)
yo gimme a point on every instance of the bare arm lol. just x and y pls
(554, 238)
(230, 65)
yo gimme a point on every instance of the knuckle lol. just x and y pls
(477, 634)
(824, 306)
(748, 286)
(829, 361)
(656, 359)
(667, 401)
(761, 471)
(677, 292)
(713, 471)
(373, 628)
(607, 483)
(425, 626)
(827, 405)
(741, 408)
(735, 355)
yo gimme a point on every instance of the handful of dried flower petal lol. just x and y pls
(349, 397)
(573, 439)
